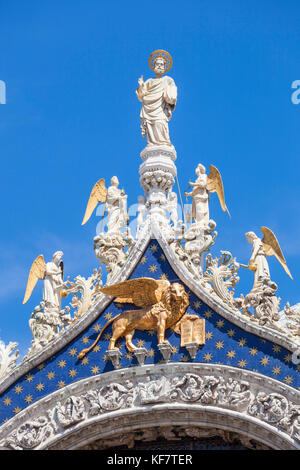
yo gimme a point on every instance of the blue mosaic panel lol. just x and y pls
(225, 344)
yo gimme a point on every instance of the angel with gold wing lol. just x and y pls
(204, 185)
(115, 203)
(162, 305)
(52, 274)
(261, 248)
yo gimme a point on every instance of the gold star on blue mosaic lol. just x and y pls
(231, 354)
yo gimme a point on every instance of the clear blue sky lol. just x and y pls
(72, 117)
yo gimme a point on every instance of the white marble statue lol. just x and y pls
(261, 248)
(52, 274)
(204, 185)
(159, 96)
(258, 260)
(116, 204)
(200, 195)
(53, 282)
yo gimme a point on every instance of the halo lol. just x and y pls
(161, 53)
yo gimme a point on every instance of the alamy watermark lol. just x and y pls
(295, 97)
(2, 92)
(132, 212)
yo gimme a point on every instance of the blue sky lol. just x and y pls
(71, 117)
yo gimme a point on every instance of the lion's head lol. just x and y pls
(175, 298)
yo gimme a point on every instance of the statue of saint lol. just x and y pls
(159, 96)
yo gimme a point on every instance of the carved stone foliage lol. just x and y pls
(192, 244)
(264, 302)
(276, 410)
(30, 434)
(45, 326)
(215, 391)
(211, 391)
(110, 251)
(110, 398)
(222, 274)
(72, 412)
(85, 293)
(7, 357)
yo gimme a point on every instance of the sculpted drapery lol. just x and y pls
(116, 206)
(159, 97)
(53, 282)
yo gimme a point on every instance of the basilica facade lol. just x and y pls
(163, 354)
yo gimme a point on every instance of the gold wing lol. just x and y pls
(215, 184)
(142, 292)
(98, 194)
(271, 247)
(37, 271)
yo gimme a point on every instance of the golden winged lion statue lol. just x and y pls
(162, 306)
(202, 187)
(261, 248)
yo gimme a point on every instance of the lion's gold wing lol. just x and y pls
(142, 292)
(215, 184)
(271, 247)
(37, 271)
(98, 194)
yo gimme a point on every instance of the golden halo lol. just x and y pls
(160, 53)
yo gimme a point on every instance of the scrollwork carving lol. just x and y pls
(110, 251)
(71, 412)
(222, 274)
(30, 434)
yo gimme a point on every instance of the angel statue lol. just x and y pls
(162, 306)
(115, 203)
(204, 185)
(258, 263)
(52, 274)
(159, 97)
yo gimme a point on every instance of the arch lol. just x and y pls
(136, 399)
